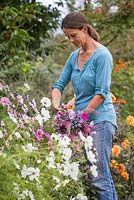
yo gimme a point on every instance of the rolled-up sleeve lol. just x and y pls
(65, 76)
(104, 65)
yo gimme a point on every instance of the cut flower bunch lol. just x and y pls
(68, 121)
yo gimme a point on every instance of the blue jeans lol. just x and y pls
(103, 143)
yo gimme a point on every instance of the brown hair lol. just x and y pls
(78, 20)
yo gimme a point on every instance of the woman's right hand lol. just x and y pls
(56, 107)
(56, 97)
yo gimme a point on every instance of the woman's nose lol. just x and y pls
(71, 39)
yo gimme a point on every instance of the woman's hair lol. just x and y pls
(77, 20)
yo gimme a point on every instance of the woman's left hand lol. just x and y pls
(88, 111)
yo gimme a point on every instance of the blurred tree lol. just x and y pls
(23, 24)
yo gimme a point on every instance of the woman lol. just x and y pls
(89, 69)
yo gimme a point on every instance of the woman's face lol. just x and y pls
(76, 36)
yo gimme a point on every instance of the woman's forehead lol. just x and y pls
(70, 30)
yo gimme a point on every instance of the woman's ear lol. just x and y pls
(85, 29)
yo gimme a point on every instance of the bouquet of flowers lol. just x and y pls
(68, 121)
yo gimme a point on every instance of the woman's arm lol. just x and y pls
(56, 98)
(104, 65)
(61, 83)
(94, 103)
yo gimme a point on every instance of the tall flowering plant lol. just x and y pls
(31, 157)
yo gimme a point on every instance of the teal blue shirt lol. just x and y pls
(94, 78)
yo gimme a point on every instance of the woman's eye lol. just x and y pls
(73, 35)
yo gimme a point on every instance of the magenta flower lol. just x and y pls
(39, 134)
(84, 116)
(47, 135)
(4, 101)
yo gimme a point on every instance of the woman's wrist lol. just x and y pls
(55, 106)
(89, 110)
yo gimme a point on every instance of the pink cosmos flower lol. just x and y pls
(39, 134)
(20, 99)
(47, 135)
(39, 137)
(4, 101)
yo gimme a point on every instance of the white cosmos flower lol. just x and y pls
(55, 178)
(72, 198)
(27, 86)
(13, 118)
(88, 142)
(59, 182)
(17, 135)
(51, 160)
(93, 170)
(29, 148)
(24, 171)
(21, 196)
(45, 113)
(31, 195)
(67, 153)
(31, 172)
(39, 161)
(45, 102)
(16, 189)
(26, 118)
(81, 197)
(54, 137)
(35, 173)
(63, 142)
(39, 118)
(72, 170)
(24, 194)
(91, 156)
(2, 123)
(81, 136)
(1, 134)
